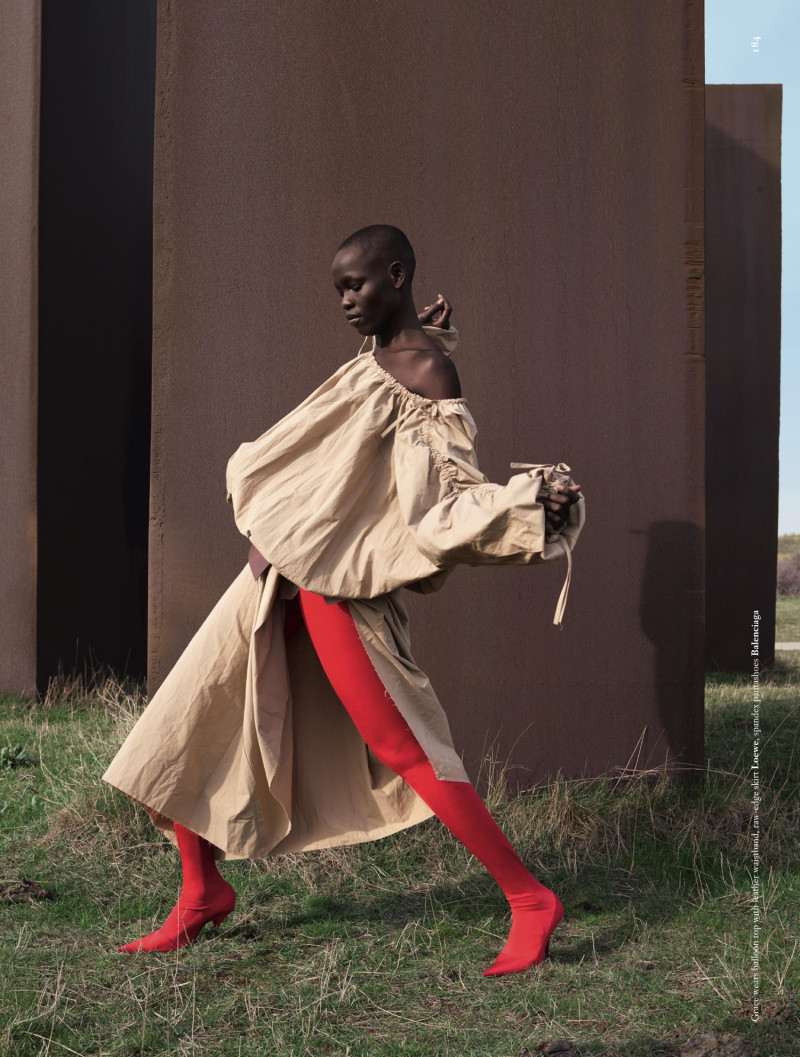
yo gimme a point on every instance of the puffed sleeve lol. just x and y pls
(457, 516)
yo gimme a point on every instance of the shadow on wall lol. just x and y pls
(95, 327)
(673, 562)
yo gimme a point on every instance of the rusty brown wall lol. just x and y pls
(743, 292)
(95, 306)
(548, 167)
(76, 107)
(19, 167)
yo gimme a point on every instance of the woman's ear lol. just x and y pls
(398, 274)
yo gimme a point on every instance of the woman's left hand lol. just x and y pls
(557, 504)
(437, 314)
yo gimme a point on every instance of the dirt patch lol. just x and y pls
(23, 891)
(726, 1045)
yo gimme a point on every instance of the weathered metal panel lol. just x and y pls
(548, 168)
(743, 341)
(19, 169)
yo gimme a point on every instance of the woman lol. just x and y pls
(370, 485)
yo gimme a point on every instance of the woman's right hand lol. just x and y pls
(437, 314)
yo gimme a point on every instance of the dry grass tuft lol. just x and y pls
(123, 698)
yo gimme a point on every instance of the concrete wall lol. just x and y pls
(743, 294)
(548, 167)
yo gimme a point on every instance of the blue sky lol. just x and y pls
(731, 26)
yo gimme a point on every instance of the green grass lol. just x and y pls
(787, 618)
(377, 950)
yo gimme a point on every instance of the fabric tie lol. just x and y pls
(555, 474)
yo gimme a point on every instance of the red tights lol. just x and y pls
(535, 910)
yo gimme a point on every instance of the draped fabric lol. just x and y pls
(363, 489)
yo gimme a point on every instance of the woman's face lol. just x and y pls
(369, 290)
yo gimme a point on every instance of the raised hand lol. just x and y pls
(437, 314)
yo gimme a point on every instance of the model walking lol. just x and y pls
(296, 718)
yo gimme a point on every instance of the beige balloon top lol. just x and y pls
(366, 487)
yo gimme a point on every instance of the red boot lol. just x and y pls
(205, 896)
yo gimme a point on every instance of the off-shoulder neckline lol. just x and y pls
(398, 387)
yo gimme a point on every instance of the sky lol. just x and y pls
(731, 26)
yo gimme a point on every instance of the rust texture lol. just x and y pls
(76, 91)
(540, 163)
(19, 170)
(743, 245)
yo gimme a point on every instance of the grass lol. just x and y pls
(788, 619)
(376, 950)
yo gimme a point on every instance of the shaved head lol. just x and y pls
(385, 244)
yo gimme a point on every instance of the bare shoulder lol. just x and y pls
(433, 375)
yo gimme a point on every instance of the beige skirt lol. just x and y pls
(247, 744)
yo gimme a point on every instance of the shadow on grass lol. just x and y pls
(609, 908)
(784, 671)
